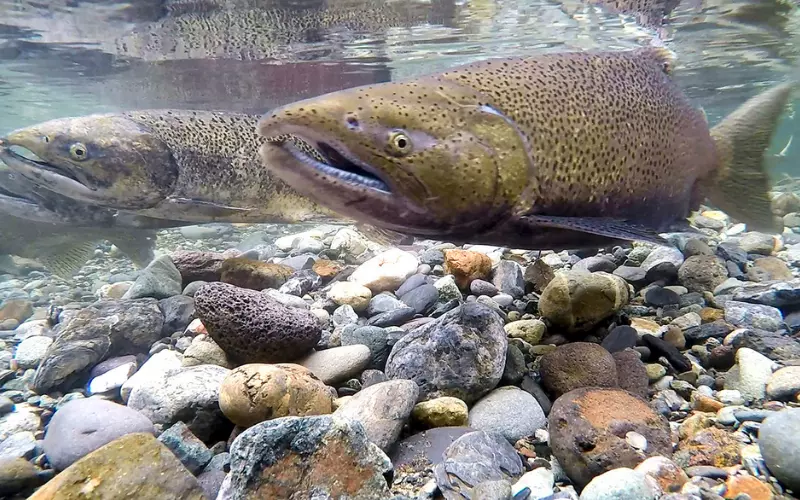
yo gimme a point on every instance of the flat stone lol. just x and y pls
(509, 411)
(336, 365)
(151, 471)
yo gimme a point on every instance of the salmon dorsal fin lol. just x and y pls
(660, 56)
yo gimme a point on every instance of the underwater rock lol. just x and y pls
(159, 280)
(253, 274)
(102, 330)
(461, 354)
(575, 365)
(151, 471)
(577, 300)
(252, 327)
(466, 266)
(84, 425)
(253, 393)
(319, 455)
(593, 416)
(188, 394)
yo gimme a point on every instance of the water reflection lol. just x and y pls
(71, 57)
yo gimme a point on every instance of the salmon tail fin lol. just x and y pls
(742, 185)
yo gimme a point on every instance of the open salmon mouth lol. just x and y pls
(11, 153)
(330, 160)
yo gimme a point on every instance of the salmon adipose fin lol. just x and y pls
(741, 187)
(602, 226)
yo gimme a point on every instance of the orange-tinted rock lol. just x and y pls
(253, 274)
(713, 446)
(327, 269)
(18, 309)
(588, 428)
(135, 466)
(706, 404)
(307, 457)
(709, 314)
(769, 269)
(694, 424)
(669, 475)
(466, 266)
(736, 485)
(256, 392)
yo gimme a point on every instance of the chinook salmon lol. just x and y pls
(556, 151)
(198, 166)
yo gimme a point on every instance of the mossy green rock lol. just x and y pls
(135, 466)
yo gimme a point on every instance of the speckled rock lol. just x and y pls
(715, 447)
(585, 432)
(326, 455)
(702, 273)
(382, 409)
(198, 266)
(578, 364)
(188, 394)
(192, 452)
(152, 471)
(441, 412)
(252, 327)
(253, 274)
(631, 373)
(460, 354)
(253, 393)
(466, 266)
(31, 351)
(577, 300)
(84, 425)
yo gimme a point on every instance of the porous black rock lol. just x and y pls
(252, 327)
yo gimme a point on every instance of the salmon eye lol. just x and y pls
(399, 143)
(78, 151)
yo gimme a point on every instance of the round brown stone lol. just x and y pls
(588, 428)
(256, 392)
(579, 364)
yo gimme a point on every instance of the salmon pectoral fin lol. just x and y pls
(741, 185)
(602, 226)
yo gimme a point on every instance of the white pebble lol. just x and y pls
(540, 481)
(112, 379)
(636, 440)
